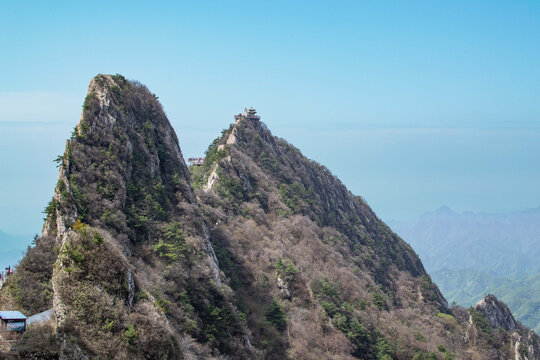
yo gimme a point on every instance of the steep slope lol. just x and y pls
(135, 275)
(259, 253)
(497, 313)
(471, 254)
(465, 287)
(294, 241)
(491, 313)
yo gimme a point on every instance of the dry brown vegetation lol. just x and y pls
(357, 290)
(277, 260)
(132, 276)
(30, 288)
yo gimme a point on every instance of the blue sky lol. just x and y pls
(413, 104)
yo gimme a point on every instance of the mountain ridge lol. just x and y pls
(482, 253)
(258, 253)
(466, 287)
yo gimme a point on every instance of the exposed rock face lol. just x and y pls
(253, 156)
(136, 275)
(523, 342)
(267, 256)
(525, 345)
(290, 232)
(497, 313)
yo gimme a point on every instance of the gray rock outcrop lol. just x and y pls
(497, 313)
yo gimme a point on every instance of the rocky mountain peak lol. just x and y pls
(257, 253)
(131, 240)
(249, 165)
(497, 313)
(246, 128)
(122, 167)
(100, 97)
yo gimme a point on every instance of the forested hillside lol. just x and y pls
(257, 253)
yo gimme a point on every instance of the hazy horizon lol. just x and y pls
(413, 106)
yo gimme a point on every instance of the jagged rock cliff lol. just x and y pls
(258, 253)
(288, 231)
(497, 313)
(135, 275)
(524, 342)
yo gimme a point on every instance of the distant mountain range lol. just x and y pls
(497, 244)
(472, 254)
(465, 287)
(255, 253)
(12, 248)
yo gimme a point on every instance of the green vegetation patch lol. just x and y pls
(286, 270)
(172, 243)
(297, 197)
(212, 155)
(276, 316)
(343, 316)
(480, 321)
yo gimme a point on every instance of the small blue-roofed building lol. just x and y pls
(13, 320)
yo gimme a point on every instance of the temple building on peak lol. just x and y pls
(250, 114)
